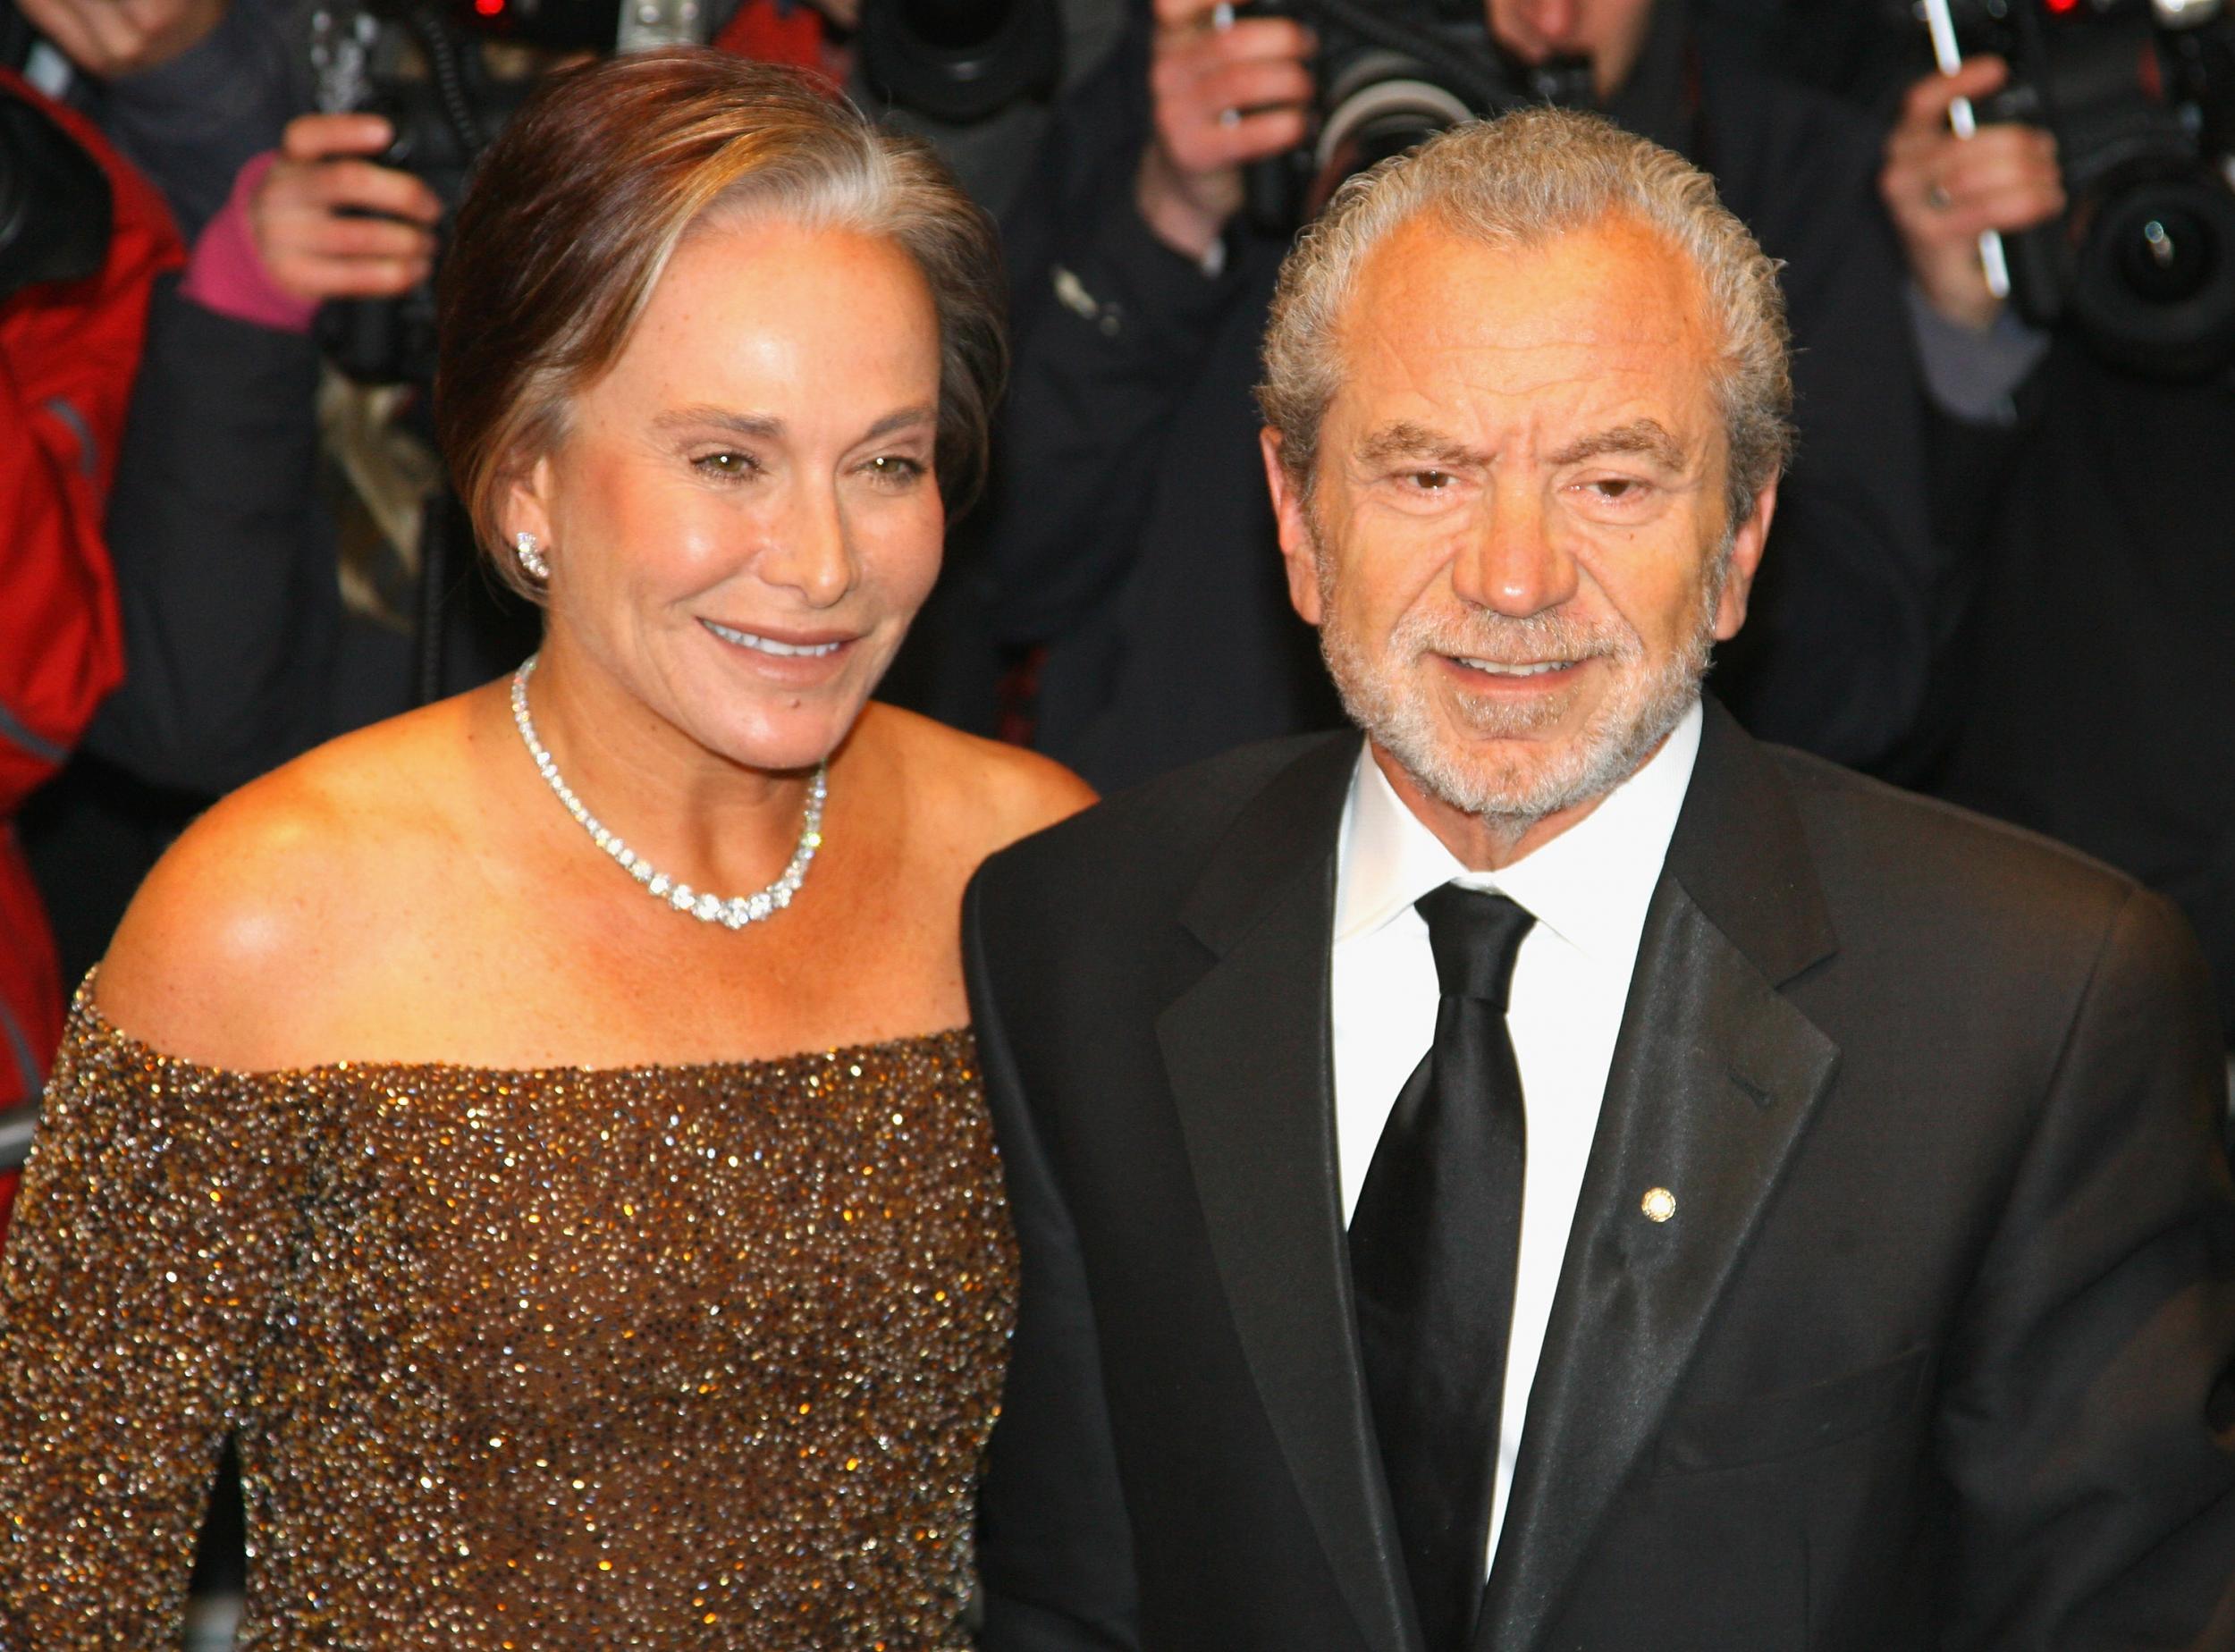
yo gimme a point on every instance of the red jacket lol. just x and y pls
(68, 351)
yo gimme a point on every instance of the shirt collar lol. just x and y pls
(1591, 885)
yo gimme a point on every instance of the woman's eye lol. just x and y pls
(893, 469)
(725, 464)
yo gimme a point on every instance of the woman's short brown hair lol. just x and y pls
(577, 208)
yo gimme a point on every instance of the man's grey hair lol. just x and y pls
(1519, 182)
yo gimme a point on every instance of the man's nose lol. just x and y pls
(1512, 562)
(808, 552)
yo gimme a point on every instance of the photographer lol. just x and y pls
(82, 238)
(225, 524)
(243, 654)
(2085, 691)
(1131, 550)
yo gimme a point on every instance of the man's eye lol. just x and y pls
(1614, 488)
(725, 464)
(1431, 481)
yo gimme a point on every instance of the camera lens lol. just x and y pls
(1384, 113)
(960, 61)
(2168, 256)
(2156, 279)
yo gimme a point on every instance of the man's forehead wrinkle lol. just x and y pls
(1442, 328)
(1421, 361)
(1561, 419)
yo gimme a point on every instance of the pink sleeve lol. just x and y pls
(226, 273)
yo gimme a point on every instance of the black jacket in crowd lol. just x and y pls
(2091, 687)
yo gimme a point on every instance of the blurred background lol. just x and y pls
(2002, 570)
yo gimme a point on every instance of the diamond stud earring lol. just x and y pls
(531, 558)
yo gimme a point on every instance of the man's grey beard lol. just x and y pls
(1623, 732)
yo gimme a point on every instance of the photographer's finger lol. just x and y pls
(1928, 101)
(57, 20)
(1177, 73)
(164, 28)
(1997, 161)
(1255, 137)
(371, 278)
(118, 33)
(2009, 208)
(323, 137)
(91, 35)
(314, 280)
(1256, 38)
(1255, 87)
(63, 25)
(2008, 146)
(1175, 16)
(370, 188)
(1917, 148)
(364, 238)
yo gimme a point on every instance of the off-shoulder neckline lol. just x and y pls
(84, 1010)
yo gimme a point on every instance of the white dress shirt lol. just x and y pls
(1587, 889)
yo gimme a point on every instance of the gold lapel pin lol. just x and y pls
(1659, 1204)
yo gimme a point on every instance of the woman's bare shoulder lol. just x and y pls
(989, 793)
(246, 930)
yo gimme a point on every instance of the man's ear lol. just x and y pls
(1745, 562)
(1298, 554)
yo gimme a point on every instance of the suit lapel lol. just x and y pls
(1247, 1048)
(1714, 1079)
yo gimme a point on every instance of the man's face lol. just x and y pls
(1515, 547)
(1609, 32)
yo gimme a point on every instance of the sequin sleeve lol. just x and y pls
(147, 1247)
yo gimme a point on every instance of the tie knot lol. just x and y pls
(1475, 935)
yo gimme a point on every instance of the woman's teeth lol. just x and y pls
(746, 639)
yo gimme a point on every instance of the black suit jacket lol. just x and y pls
(1933, 1351)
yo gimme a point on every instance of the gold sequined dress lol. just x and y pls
(671, 1356)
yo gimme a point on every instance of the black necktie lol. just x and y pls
(1434, 1243)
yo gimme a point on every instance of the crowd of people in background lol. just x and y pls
(1988, 579)
(2000, 572)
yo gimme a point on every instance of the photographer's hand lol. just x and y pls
(301, 216)
(1224, 97)
(1941, 190)
(111, 38)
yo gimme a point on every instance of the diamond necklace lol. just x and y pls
(738, 911)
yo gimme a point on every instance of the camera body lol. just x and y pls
(961, 60)
(2140, 97)
(1386, 79)
(421, 64)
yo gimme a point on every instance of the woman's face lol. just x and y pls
(742, 517)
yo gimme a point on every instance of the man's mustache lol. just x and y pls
(1504, 639)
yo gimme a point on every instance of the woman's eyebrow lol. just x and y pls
(763, 424)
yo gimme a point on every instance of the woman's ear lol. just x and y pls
(525, 503)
